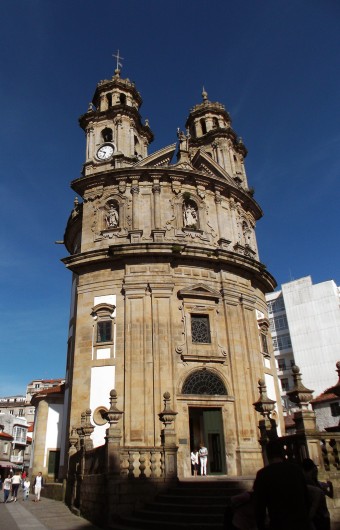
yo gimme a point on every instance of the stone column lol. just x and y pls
(224, 243)
(135, 233)
(157, 232)
(135, 193)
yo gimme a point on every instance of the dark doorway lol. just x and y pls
(206, 426)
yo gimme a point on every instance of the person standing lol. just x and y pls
(280, 488)
(16, 481)
(317, 491)
(194, 461)
(203, 454)
(7, 487)
(38, 484)
(26, 486)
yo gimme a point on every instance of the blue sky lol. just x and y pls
(273, 63)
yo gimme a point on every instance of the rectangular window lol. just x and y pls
(264, 343)
(200, 329)
(278, 323)
(284, 384)
(281, 364)
(282, 342)
(104, 331)
(21, 412)
(276, 305)
(11, 411)
(5, 448)
(335, 409)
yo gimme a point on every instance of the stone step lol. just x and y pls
(192, 504)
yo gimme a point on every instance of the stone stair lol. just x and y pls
(196, 504)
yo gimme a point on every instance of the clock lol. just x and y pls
(105, 152)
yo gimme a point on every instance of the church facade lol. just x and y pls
(168, 291)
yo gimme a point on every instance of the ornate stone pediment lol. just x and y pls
(159, 158)
(199, 290)
(204, 163)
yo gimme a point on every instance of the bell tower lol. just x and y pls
(209, 126)
(115, 134)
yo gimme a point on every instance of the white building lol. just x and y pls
(305, 329)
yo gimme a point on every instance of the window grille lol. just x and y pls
(200, 329)
(204, 382)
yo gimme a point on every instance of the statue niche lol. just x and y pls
(112, 215)
(190, 214)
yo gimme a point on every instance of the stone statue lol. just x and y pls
(189, 215)
(112, 217)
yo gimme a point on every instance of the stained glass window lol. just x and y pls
(204, 382)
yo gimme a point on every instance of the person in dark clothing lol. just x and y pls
(317, 495)
(280, 488)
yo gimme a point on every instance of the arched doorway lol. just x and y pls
(206, 423)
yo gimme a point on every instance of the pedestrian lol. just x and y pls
(203, 454)
(16, 481)
(7, 487)
(280, 488)
(38, 484)
(194, 461)
(317, 494)
(26, 487)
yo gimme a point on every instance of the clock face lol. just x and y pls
(105, 152)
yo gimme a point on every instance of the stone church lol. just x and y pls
(168, 293)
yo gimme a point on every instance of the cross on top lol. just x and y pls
(119, 58)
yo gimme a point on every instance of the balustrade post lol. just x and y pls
(113, 435)
(267, 427)
(168, 439)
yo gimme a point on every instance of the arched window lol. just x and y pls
(107, 134)
(215, 123)
(204, 382)
(203, 126)
(122, 99)
(109, 100)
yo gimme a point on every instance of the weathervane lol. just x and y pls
(119, 64)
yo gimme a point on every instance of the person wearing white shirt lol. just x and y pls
(38, 484)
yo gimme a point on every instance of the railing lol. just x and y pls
(132, 462)
(322, 447)
(17, 459)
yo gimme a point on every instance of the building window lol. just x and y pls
(204, 382)
(335, 409)
(19, 434)
(281, 364)
(276, 305)
(37, 385)
(200, 329)
(5, 449)
(203, 126)
(107, 134)
(282, 342)
(284, 384)
(11, 411)
(104, 331)
(21, 412)
(264, 343)
(278, 323)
